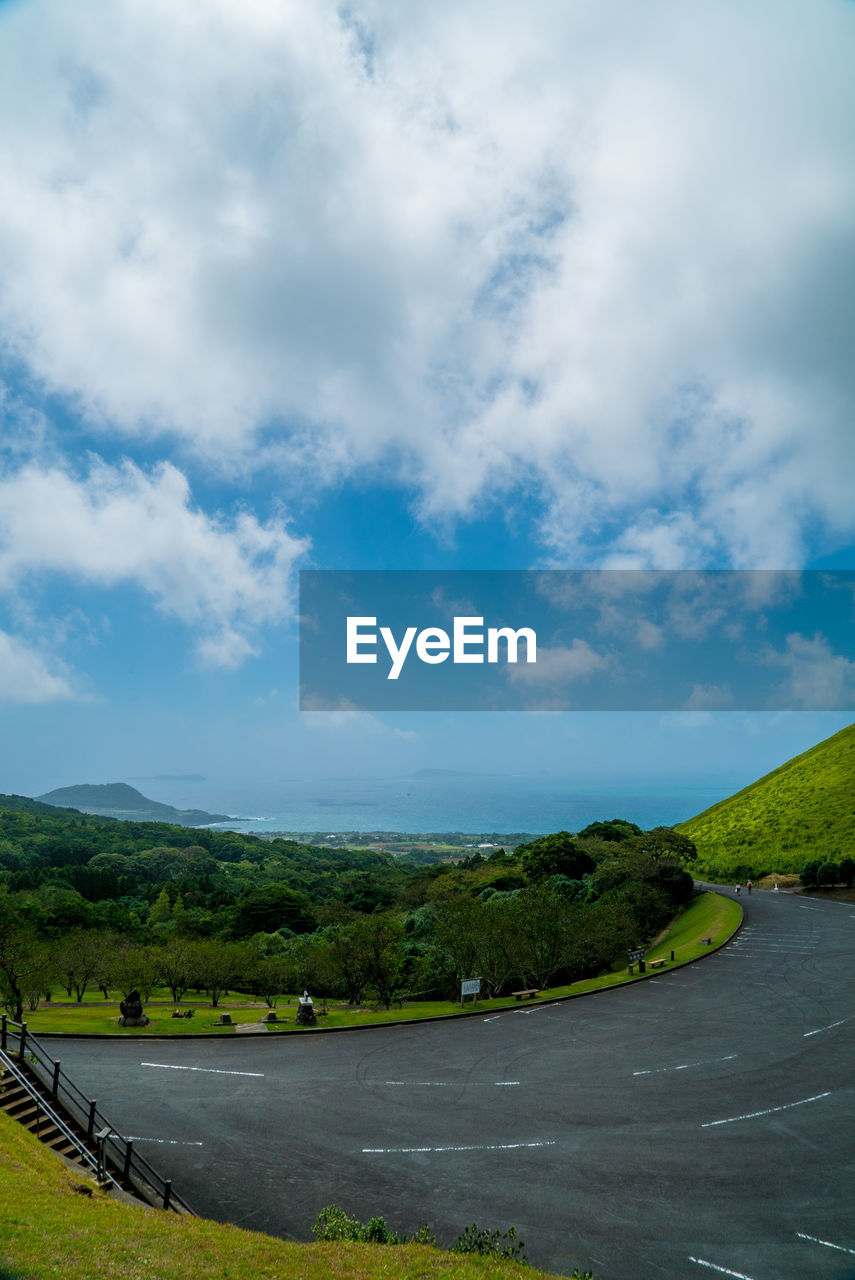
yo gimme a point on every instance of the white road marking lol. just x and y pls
(499, 1146)
(684, 1066)
(751, 1115)
(815, 1240)
(213, 1071)
(494, 1017)
(452, 1084)
(166, 1142)
(724, 1271)
(801, 908)
(839, 1023)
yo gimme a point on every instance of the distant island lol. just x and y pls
(118, 800)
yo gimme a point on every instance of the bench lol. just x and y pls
(183, 1013)
(655, 964)
(706, 942)
(531, 994)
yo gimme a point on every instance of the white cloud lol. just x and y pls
(356, 724)
(818, 679)
(603, 249)
(122, 525)
(26, 674)
(709, 697)
(560, 665)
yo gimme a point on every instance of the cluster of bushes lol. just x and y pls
(825, 875)
(335, 1224)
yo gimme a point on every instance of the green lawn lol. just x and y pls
(706, 916)
(48, 1229)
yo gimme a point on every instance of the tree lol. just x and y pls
(809, 874)
(664, 842)
(271, 908)
(216, 966)
(349, 956)
(36, 983)
(79, 957)
(828, 875)
(384, 942)
(272, 977)
(615, 830)
(847, 871)
(19, 956)
(554, 855)
(176, 964)
(544, 934)
(161, 909)
(134, 968)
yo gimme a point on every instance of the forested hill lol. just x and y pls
(801, 811)
(86, 895)
(118, 800)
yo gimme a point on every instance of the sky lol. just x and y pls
(378, 286)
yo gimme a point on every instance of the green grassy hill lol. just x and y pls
(803, 810)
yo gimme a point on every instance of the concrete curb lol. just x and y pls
(400, 1022)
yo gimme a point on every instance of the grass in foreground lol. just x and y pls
(706, 916)
(48, 1229)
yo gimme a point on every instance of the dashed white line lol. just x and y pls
(684, 1066)
(723, 1271)
(801, 908)
(499, 1146)
(752, 1115)
(452, 1084)
(211, 1071)
(165, 1142)
(839, 1023)
(815, 1240)
(494, 1017)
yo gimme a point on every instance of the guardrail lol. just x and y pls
(55, 1120)
(17, 1041)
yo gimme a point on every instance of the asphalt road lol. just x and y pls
(701, 1123)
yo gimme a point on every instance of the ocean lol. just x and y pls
(433, 802)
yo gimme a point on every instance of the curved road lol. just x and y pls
(699, 1123)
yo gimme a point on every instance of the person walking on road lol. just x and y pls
(739, 888)
(749, 886)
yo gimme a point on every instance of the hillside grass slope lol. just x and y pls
(804, 809)
(49, 1229)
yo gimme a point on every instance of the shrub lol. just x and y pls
(492, 1244)
(334, 1224)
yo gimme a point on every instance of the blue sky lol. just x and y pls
(451, 286)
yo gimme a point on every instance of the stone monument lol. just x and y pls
(132, 1011)
(306, 1011)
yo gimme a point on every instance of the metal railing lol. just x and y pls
(16, 1041)
(54, 1119)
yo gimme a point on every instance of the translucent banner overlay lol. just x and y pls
(598, 640)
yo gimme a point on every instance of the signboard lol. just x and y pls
(470, 987)
(636, 954)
